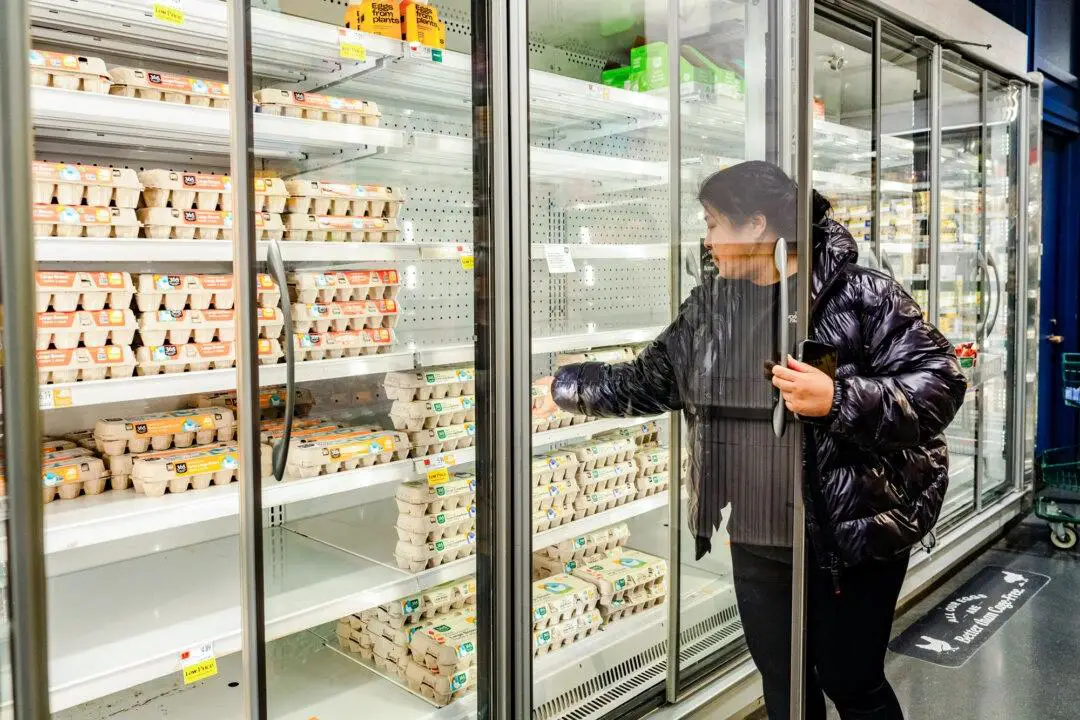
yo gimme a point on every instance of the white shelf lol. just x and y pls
(600, 520)
(584, 430)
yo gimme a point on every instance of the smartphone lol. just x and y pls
(819, 355)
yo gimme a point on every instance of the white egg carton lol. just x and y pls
(197, 292)
(616, 577)
(163, 430)
(447, 646)
(202, 191)
(415, 558)
(434, 384)
(345, 450)
(67, 184)
(167, 87)
(77, 221)
(312, 106)
(560, 597)
(340, 228)
(71, 476)
(85, 364)
(439, 689)
(452, 437)
(553, 467)
(68, 291)
(651, 484)
(590, 503)
(203, 326)
(120, 466)
(416, 415)
(560, 495)
(198, 468)
(341, 286)
(595, 543)
(634, 601)
(69, 72)
(435, 601)
(611, 356)
(420, 498)
(552, 517)
(567, 632)
(643, 434)
(172, 224)
(271, 400)
(429, 528)
(314, 197)
(348, 343)
(596, 453)
(341, 316)
(66, 330)
(609, 476)
(652, 460)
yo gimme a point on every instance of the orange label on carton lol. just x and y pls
(171, 425)
(73, 215)
(361, 278)
(213, 461)
(183, 83)
(61, 474)
(54, 61)
(55, 320)
(265, 348)
(54, 279)
(61, 172)
(200, 181)
(379, 336)
(328, 102)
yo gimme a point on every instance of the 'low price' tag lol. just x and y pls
(350, 45)
(198, 663)
(170, 12)
(438, 477)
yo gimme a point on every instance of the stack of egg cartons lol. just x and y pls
(436, 521)
(652, 464)
(75, 201)
(271, 401)
(606, 474)
(441, 664)
(85, 326)
(567, 555)
(558, 419)
(343, 313)
(186, 206)
(322, 108)
(436, 407)
(330, 450)
(555, 489)
(67, 470)
(167, 87)
(628, 582)
(188, 323)
(69, 72)
(564, 611)
(340, 212)
(644, 434)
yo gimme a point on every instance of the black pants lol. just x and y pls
(847, 634)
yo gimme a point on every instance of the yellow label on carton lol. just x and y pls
(374, 16)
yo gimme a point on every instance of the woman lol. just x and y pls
(875, 462)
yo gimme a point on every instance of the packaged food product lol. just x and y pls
(643, 434)
(313, 197)
(196, 356)
(608, 476)
(439, 689)
(68, 291)
(78, 221)
(420, 24)
(604, 355)
(348, 343)
(415, 558)
(590, 503)
(195, 468)
(66, 330)
(271, 400)
(449, 645)
(326, 287)
(560, 495)
(438, 600)
(341, 316)
(311, 106)
(651, 484)
(71, 476)
(420, 498)
(552, 517)
(433, 384)
(82, 438)
(652, 460)
(120, 466)
(635, 601)
(96, 186)
(340, 228)
(374, 16)
(452, 437)
(302, 428)
(566, 632)
(599, 542)
(596, 453)
(180, 89)
(561, 597)
(553, 467)
(201, 191)
(69, 72)
(163, 430)
(51, 445)
(182, 326)
(172, 224)
(429, 528)
(424, 415)
(197, 292)
(356, 641)
(85, 364)
(346, 450)
(617, 575)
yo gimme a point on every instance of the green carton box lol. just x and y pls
(649, 63)
(620, 77)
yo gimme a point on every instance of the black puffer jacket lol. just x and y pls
(876, 469)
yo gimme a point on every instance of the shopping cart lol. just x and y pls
(1070, 374)
(1058, 498)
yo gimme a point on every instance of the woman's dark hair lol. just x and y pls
(756, 187)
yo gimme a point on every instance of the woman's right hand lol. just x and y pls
(545, 404)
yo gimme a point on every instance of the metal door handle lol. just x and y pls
(992, 265)
(281, 447)
(779, 419)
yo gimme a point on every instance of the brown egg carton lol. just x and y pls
(439, 689)
(635, 601)
(652, 460)
(567, 632)
(389, 658)
(167, 87)
(71, 475)
(429, 528)
(416, 415)
(444, 439)
(197, 469)
(597, 453)
(644, 434)
(120, 466)
(85, 364)
(651, 484)
(314, 197)
(312, 106)
(561, 597)
(345, 450)
(66, 184)
(197, 292)
(591, 544)
(163, 430)
(553, 467)
(356, 642)
(172, 224)
(69, 72)
(415, 558)
(551, 517)
(349, 343)
(78, 221)
(435, 601)
(341, 316)
(421, 498)
(340, 228)
(64, 291)
(590, 503)
(616, 577)
(447, 645)
(203, 326)
(609, 476)
(202, 191)
(560, 495)
(433, 384)
(271, 401)
(342, 286)
(67, 330)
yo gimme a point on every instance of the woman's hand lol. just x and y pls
(806, 390)
(545, 407)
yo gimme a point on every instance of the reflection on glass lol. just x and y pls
(1033, 218)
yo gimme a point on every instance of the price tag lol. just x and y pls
(436, 56)
(50, 398)
(198, 663)
(468, 262)
(438, 477)
(350, 45)
(421, 52)
(170, 12)
(559, 259)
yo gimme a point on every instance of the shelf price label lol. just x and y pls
(423, 52)
(350, 45)
(51, 398)
(465, 256)
(438, 477)
(434, 463)
(170, 12)
(559, 259)
(198, 663)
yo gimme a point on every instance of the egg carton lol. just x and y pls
(163, 430)
(201, 191)
(560, 495)
(635, 601)
(67, 184)
(556, 420)
(342, 286)
(313, 197)
(553, 467)
(120, 466)
(652, 460)
(69, 291)
(397, 636)
(197, 469)
(643, 434)
(438, 689)
(356, 642)
(609, 476)
(340, 228)
(69, 72)
(561, 597)
(444, 439)
(51, 445)
(167, 87)
(617, 576)
(435, 601)
(552, 517)
(415, 558)
(178, 327)
(566, 632)
(341, 316)
(82, 438)
(198, 292)
(651, 484)
(448, 645)
(610, 356)
(389, 658)
(349, 343)
(429, 528)
(420, 498)
(194, 357)
(596, 453)
(311, 106)
(85, 364)
(173, 224)
(302, 428)
(77, 221)
(434, 384)
(66, 330)
(590, 503)
(545, 567)
(345, 450)
(589, 545)
(271, 400)
(71, 476)
(416, 415)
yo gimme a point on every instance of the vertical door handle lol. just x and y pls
(992, 265)
(984, 312)
(780, 257)
(277, 269)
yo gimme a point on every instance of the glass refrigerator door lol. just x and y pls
(1032, 338)
(962, 278)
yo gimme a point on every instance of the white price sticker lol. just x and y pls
(600, 92)
(559, 259)
(50, 398)
(420, 52)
